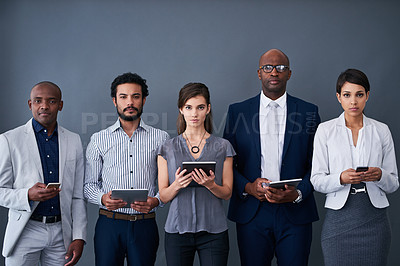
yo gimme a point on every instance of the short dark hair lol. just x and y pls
(49, 83)
(188, 91)
(354, 76)
(129, 78)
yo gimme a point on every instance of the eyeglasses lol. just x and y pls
(270, 68)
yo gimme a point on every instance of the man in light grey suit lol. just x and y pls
(44, 224)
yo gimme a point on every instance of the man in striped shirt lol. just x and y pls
(123, 157)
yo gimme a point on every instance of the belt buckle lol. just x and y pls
(357, 190)
(44, 218)
(133, 218)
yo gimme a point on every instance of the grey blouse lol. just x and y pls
(196, 209)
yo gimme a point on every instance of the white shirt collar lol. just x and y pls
(281, 101)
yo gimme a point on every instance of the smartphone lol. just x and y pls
(53, 185)
(362, 169)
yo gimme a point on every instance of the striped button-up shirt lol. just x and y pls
(116, 161)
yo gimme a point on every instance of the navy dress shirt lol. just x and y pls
(49, 156)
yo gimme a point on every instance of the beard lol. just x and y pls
(130, 117)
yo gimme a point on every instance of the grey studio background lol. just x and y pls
(83, 45)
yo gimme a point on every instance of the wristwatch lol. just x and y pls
(299, 198)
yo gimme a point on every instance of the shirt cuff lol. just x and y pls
(160, 203)
(99, 196)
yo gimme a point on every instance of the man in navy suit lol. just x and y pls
(272, 134)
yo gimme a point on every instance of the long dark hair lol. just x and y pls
(188, 91)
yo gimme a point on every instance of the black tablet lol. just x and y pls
(281, 184)
(130, 195)
(206, 166)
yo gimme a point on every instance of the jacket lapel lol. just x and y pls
(291, 119)
(253, 120)
(343, 143)
(62, 147)
(368, 139)
(33, 149)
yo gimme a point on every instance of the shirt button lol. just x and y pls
(45, 131)
(131, 172)
(130, 140)
(47, 139)
(51, 172)
(130, 155)
(48, 156)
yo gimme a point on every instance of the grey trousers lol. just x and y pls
(39, 242)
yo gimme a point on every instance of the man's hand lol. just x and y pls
(256, 190)
(39, 192)
(112, 204)
(275, 195)
(145, 206)
(74, 252)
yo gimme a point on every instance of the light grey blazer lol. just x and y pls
(21, 168)
(332, 155)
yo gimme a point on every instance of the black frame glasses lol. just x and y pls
(270, 68)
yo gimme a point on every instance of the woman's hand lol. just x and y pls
(350, 176)
(182, 180)
(201, 178)
(373, 174)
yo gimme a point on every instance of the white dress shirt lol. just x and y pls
(268, 159)
(358, 151)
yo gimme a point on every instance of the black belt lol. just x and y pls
(46, 219)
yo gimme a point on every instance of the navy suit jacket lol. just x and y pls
(242, 129)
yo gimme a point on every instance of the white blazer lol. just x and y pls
(332, 156)
(21, 168)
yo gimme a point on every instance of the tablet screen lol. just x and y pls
(130, 195)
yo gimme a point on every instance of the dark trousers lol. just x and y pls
(271, 233)
(213, 249)
(116, 239)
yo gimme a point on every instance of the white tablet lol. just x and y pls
(281, 184)
(130, 195)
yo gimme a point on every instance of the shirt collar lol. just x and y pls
(281, 101)
(342, 120)
(117, 125)
(37, 127)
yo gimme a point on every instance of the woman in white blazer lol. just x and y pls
(356, 230)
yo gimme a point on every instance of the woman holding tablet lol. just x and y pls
(354, 163)
(196, 219)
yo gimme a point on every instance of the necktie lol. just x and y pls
(272, 143)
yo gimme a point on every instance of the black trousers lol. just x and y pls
(213, 249)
